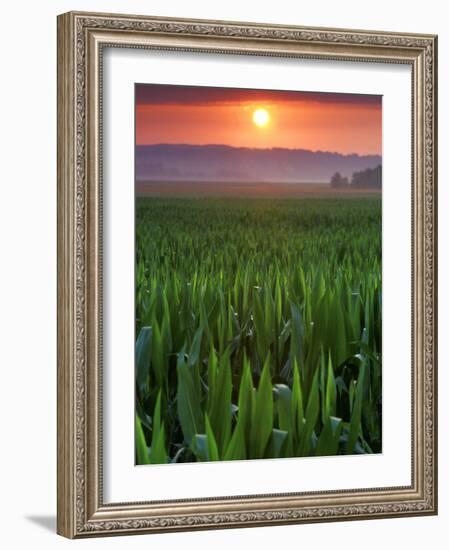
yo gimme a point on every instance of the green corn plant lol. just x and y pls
(258, 328)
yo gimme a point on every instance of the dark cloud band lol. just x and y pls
(167, 94)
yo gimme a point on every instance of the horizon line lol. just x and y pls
(224, 145)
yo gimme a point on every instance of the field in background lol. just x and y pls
(258, 327)
(245, 189)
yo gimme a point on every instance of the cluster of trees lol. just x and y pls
(371, 178)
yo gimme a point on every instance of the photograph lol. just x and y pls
(223, 240)
(247, 279)
(258, 274)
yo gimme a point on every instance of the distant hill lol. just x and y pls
(222, 163)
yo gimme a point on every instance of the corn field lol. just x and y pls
(258, 328)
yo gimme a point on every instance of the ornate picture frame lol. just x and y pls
(82, 39)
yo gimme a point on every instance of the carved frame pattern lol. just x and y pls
(81, 37)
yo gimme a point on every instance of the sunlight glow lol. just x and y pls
(261, 117)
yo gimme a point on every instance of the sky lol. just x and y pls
(342, 123)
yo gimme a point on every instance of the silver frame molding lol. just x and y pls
(81, 39)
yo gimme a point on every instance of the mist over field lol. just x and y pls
(242, 190)
(222, 163)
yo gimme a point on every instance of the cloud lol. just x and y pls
(167, 94)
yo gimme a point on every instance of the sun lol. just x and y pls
(261, 117)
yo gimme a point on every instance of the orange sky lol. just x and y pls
(344, 123)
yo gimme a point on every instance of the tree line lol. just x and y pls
(371, 178)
